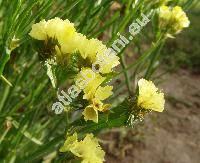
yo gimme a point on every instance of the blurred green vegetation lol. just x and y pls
(184, 50)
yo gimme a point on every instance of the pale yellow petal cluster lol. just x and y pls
(90, 113)
(165, 13)
(103, 93)
(93, 51)
(70, 41)
(97, 52)
(92, 48)
(107, 60)
(39, 30)
(90, 89)
(174, 18)
(181, 18)
(87, 149)
(90, 82)
(61, 30)
(149, 97)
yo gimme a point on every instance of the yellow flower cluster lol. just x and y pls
(173, 18)
(89, 81)
(149, 97)
(61, 30)
(70, 41)
(87, 149)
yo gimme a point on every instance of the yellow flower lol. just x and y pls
(90, 89)
(149, 97)
(96, 52)
(87, 149)
(57, 28)
(103, 93)
(165, 13)
(81, 42)
(106, 60)
(89, 82)
(180, 17)
(38, 30)
(91, 111)
(64, 32)
(69, 143)
(69, 41)
(61, 30)
(174, 18)
(91, 47)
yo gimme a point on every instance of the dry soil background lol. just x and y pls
(169, 137)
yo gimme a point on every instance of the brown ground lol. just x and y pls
(169, 137)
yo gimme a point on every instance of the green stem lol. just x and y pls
(6, 80)
(4, 135)
(4, 97)
(127, 80)
(4, 59)
(153, 60)
(143, 57)
(25, 132)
